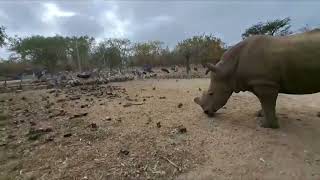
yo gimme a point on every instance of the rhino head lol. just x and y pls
(219, 91)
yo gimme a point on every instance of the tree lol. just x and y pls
(278, 27)
(204, 48)
(40, 50)
(147, 52)
(112, 53)
(3, 36)
(79, 50)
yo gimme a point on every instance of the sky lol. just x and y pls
(142, 20)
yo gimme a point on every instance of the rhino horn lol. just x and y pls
(211, 67)
(197, 100)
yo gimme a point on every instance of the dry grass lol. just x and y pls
(43, 139)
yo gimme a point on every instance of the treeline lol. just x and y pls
(83, 53)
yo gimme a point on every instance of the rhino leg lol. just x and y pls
(268, 97)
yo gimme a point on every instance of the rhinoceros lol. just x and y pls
(265, 65)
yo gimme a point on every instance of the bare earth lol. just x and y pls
(138, 130)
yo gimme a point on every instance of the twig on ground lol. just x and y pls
(172, 163)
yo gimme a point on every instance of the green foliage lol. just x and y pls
(52, 52)
(278, 27)
(147, 52)
(112, 53)
(3, 36)
(200, 49)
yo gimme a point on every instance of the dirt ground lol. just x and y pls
(152, 129)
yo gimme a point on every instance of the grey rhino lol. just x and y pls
(265, 65)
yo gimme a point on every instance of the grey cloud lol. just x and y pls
(80, 25)
(154, 20)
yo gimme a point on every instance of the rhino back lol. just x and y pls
(292, 63)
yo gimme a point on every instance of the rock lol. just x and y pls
(50, 138)
(200, 89)
(131, 104)
(35, 134)
(181, 129)
(24, 98)
(60, 113)
(67, 135)
(165, 70)
(93, 126)
(318, 114)
(50, 91)
(108, 118)
(158, 124)
(79, 115)
(180, 105)
(124, 152)
(84, 105)
(154, 88)
(74, 98)
(32, 123)
(162, 97)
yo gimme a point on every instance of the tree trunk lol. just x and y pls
(188, 64)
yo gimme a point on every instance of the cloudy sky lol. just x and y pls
(164, 20)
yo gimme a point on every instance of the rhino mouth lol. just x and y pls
(209, 114)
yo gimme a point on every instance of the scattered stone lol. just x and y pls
(61, 100)
(24, 98)
(50, 138)
(144, 100)
(165, 70)
(158, 124)
(200, 89)
(162, 97)
(154, 88)
(93, 126)
(181, 129)
(298, 119)
(84, 105)
(108, 118)
(67, 135)
(318, 114)
(131, 104)
(79, 115)
(35, 134)
(180, 105)
(50, 91)
(124, 152)
(10, 99)
(32, 123)
(74, 98)
(60, 113)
